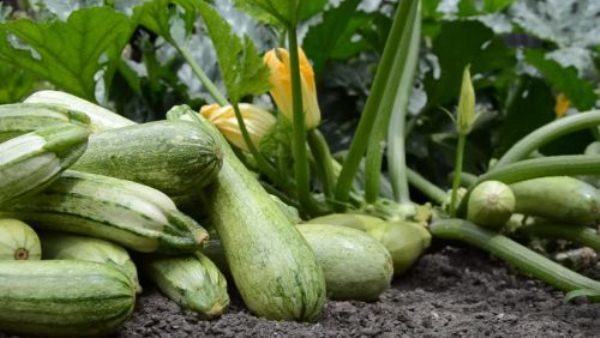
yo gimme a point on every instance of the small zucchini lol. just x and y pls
(192, 281)
(356, 266)
(558, 198)
(56, 245)
(491, 203)
(131, 214)
(30, 162)
(174, 157)
(101, 118)
(63, 298)
(18, 241)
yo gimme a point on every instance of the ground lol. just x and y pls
(452, 291)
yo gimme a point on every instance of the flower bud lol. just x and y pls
(491, 204)
(257, 120)
(466, 104)
(278, 61)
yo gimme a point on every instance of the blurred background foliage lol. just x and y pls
(532, 61)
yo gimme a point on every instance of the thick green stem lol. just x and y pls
(514, 253)
(576, 233)
(429, 189)
(367, 120)
(458, 164)
(547, 133)
(208, 84)
(301, 165)
(324, 160)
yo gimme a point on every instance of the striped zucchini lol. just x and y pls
(18, 241)
(101, 118)
(193, 282)
(133, 215)
(174, 157)
(21, 118)
(559, 198)
(56, 245)
(63, 298)
(356, 266)
(274, 269)
(30, 162)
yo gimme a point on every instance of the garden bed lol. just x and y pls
(450, 292)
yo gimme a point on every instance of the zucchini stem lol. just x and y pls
(517, 255)
(575, 233)
(429, 189)
(458, 164)
(323, 160)
(201, 75)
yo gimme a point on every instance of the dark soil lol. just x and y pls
(450, 292)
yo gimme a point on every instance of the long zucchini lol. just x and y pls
(273, 267)
(559, 198)
(174, 157)
(18, 241)
(30, 162)
(136, 216)
(193, 282)
(63, 298)
(101, 118)
(56, 245)
(21, 118)
(356, 266)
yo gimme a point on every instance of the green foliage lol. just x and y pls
(158, 17)
(242, 68)
(68, 54)
(16, 84)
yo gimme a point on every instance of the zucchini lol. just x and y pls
(174, 157)
(18, 241)
(491, 203)
(559, 198)
(356, 221)
(57, 245)
(101, 118)
(30, 162)
(63, 298)
(21, 118)
(272, 266)
(356, 266)
(194, 282)
(133, 215)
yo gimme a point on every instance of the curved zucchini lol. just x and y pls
(56, 245)
(28, 163)
(356, 266)
(21, 118)
(63, 298)
(174, 157)
(193, 282)
(559, 198)
(101, 118)
(133, 215)
(18, 241)
(273, 267)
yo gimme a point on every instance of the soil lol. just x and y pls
(451, 292)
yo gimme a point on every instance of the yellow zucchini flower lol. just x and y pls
(257, 120)
(278, 62)
(562, 105)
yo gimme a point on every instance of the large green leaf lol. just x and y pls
(159, 17)
(242, 68)
(579, 91)
(16, 84)
(274, 12)
(68, 54)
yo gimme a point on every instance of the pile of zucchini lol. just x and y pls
(81, 187)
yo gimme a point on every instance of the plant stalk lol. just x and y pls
(576, 233)
(323, 160)
(458, 164)
(201, 75)
(429, 189)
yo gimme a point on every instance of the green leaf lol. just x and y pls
(243, 70)
(68, 54)
(158, 16)
(492, 6)
(579, 91)
(284, 13)
(333, 33)
(16, 84)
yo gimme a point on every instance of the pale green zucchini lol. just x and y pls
(356, 221)
(174, 157)
(56, 245)
(28, 163)
(101, 118)
(131, 214)
(356, 266)
(192, 281)
(63, 298)
(559, 198)
(18, 241)
(21, 118)
(272, 266)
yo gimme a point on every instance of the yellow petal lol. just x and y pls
(562, 105)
